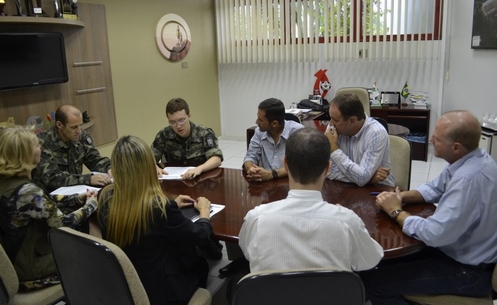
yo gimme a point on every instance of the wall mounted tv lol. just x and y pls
(32, 59)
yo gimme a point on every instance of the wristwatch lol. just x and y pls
(395, 214)
(275, 174)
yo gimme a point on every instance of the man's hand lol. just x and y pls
(389, 201)
(100, 180)
(203, 206)
(332, 136)
(256, 173)
(192, 173)
(380, 175)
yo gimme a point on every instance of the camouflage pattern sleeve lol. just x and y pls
(211, 144)
(32, 202)
(92, 158)
(159, 145)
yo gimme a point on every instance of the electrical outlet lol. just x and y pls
(184, 65)
(363, 53)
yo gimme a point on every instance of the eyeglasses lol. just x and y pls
(178, 123)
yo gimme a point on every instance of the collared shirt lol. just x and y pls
(194, 150)
(61, 164)
(359, 157)
(464, 225)
(264, 152)
(304, 231)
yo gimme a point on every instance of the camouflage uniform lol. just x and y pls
(26, 215)
(61, 164)
(192, 151)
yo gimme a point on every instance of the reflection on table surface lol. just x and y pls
(231, 188)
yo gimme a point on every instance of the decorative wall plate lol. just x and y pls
(173, 37)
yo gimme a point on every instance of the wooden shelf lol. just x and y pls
(41, 21)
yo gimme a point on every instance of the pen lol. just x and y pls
(374, 193)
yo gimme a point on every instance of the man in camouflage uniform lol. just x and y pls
(183, 143)
(65, 147)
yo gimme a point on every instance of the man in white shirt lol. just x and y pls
(360, 146)
(303, 230)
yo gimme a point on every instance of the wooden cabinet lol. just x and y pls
(88, 62)
(417, 120)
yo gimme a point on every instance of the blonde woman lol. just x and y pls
(27, 212)
(135, 214)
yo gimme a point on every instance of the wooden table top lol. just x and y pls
(231, 188)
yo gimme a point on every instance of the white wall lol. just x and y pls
(472, 80)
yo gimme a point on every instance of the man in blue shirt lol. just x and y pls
(264, 158)
(461, 234)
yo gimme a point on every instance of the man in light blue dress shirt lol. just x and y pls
(461, 234)
(360, 146)
(264, 158)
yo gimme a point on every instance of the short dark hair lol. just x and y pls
(349, 105)
(61, 113)
(177, 104)
(274, 110)
(307, 154)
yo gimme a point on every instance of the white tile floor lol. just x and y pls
(234, 151)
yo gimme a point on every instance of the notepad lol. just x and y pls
(193, 215)
(174, 173)
(74, 189)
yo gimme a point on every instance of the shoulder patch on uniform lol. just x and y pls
(210, 142)
(89, 141)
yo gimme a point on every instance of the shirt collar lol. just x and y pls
(452, 168)
(367, 122)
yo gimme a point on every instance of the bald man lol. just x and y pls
(65, 147)
(460, 235)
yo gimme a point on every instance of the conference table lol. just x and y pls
(231, 188)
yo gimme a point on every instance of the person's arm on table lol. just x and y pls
(211, 163)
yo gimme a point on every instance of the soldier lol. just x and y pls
(65, 148)
(185, 144)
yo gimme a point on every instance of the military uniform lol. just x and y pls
(192, 151)
(61, 164)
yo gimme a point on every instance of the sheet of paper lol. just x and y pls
(74, 189)
(174, 173)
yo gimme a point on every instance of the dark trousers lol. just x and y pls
(430, 272)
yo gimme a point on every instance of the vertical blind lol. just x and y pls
(260, 31)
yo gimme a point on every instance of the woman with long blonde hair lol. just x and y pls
(27, 212)
(135, 214)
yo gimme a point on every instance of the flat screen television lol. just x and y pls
(32, 59)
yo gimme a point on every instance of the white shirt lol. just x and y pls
(304, 231)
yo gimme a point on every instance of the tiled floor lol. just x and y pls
(234, 151)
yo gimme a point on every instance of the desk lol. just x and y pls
(230, 187)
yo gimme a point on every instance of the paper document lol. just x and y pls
(192, 213)
(74, 189)
(174, 173)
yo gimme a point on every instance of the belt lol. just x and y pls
(486, 267)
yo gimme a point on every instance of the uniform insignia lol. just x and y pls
(89, 141)
(210, 142)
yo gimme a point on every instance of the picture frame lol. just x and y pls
(484, 32)
(173, 37)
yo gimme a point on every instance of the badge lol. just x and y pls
(210, 142)
(89, 141)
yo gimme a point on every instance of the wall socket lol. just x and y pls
(184, 65)
(363, 53)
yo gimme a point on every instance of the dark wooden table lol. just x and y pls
(231, 188)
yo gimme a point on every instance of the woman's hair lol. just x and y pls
(136, 190)
(17, 145)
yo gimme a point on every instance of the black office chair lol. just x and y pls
(383, 122)
(292, 117)
(317, 287)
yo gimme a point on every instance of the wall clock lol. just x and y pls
(173, 37)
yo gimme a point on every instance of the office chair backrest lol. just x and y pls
(400, 158)
(361, 93)
(292, 117)
(9, 285)
(382, 121)
(94, 271)
(319, 286)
